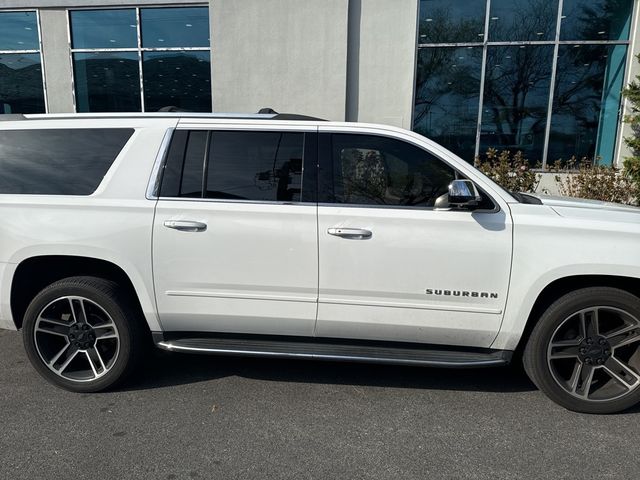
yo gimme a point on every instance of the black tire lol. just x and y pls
(102, 296)
(543, 367)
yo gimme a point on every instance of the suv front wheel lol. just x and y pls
(584, 352)
(82, 334)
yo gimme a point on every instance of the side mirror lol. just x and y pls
(463, 194)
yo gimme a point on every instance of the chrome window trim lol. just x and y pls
(139, 49)
(153, 185)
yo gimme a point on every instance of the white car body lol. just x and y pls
(271, 268)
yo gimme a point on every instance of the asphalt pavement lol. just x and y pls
(205, 417)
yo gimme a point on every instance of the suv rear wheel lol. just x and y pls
(584, 353)
(82, 334)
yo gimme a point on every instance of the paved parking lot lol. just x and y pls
(196, 417)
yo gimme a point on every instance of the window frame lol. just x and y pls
(556, 42)
(138, 49)
(326, 196)
(31, 51)
(309, 189)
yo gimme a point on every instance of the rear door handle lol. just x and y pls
(186, 225)
(354, 233)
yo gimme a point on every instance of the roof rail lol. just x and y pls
(287, 116)
(12, 116)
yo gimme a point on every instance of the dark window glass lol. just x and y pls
(596, 19)
(58, 162)
(21, 88)
(373, 170)
(191, 176)
(18, 31)
(110, 28)
(586, 101)
(175, 27)
(263, 166)
(180, 79)
(516, 99)
(446, 21)
(107, 82)
(447, 96)
(512, 20)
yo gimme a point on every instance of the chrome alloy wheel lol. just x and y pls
(594, 354)
(76, 339)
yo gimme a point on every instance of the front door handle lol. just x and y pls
(186, 225)
(353, 233)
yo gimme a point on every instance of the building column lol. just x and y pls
(56, 60)
(290, 55)
(632, 70)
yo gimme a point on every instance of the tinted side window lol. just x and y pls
(374, 170)
(263, 166)
(58, 161)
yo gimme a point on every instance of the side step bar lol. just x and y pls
(329, 349)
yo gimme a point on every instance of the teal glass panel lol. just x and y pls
(18, 31)
(522, 20)
(21, 88)
(447, 97)
(516, 96)
(107, 82)
(175, 27)
(596, 19)
(584, 120)
(179, 79)
(111, 28)
(446, 21)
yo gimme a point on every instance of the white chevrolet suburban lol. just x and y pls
(286, 236)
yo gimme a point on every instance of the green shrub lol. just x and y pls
(632, 163)
(595, 182)
(511, 172)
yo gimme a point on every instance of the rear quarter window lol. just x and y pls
(58, 161)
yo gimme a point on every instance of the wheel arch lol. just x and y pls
(35, 273)
(561, 286)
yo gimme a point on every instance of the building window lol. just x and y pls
(539, 76)
(141, 59)
(21, 78)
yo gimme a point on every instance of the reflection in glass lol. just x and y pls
(58, 161)
(175, 27)
(263, 166)
(107, 82)
(18, 31)
(447, 96)
(446, 21)
(21, 83)
(104, 28)
(596, 19)
(586, 100)
(516, 98)
(179, 79)
(512, 20)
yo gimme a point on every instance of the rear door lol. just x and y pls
(393, 267)
(235, 231)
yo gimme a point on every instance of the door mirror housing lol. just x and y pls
(463, 194)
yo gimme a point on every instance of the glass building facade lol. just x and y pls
(539, 76)
(141, 59)
(21, 78)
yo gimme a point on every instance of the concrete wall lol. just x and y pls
(290, 55)
(57, 61)
(382, 56)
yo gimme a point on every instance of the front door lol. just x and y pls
(393, 267)
(235, 233)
